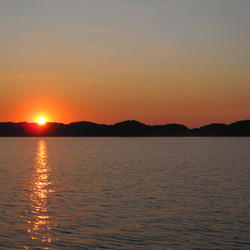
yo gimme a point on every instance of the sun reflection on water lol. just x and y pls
(40, 221)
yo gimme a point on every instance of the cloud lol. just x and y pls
(34, 75)
(150, 69)
(95, 29)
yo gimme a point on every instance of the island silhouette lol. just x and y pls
(130, 128)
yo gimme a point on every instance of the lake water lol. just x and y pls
(125, 193)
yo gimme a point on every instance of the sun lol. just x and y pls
(41, 121)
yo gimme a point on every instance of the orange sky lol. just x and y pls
(155, 61)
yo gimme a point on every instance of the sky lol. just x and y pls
(156, 61)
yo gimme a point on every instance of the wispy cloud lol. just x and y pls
(34, 75)
(150, 69)
(95, 29)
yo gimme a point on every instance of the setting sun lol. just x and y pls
(41, 121)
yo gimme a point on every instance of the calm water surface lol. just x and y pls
(133, 193)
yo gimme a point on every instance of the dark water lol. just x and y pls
(135, 193)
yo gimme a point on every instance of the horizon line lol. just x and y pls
(112, 124)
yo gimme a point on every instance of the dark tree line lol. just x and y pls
(125, 128)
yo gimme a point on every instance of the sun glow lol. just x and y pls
(41, 121)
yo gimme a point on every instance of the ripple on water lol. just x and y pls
(136, 193)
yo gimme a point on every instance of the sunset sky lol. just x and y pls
(156, 61)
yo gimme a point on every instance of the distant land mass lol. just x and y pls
(129, 128)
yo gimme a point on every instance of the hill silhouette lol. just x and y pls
(125, 128)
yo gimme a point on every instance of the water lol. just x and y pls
(132, 193)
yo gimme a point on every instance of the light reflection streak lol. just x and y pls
(40, 221)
